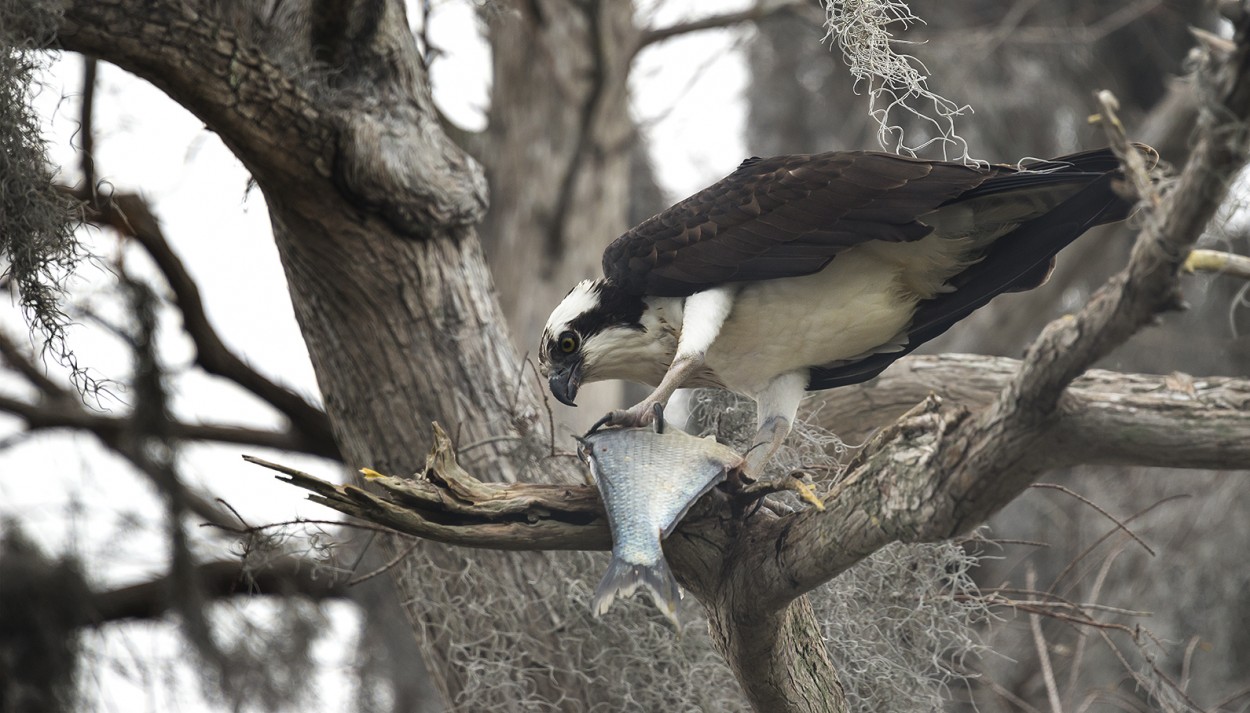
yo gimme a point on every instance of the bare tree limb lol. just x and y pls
(1011, 29)
(282, 576)
(27, 368)
(65, 414)
(129, 215)
(1150, 284)
(1043, 651)
(446, 504)
(86, 128)
(265, 112)
(58, 408)
(755, 13)
(994, 442)
(1138, 419)
(1098, 412)
(242, 94)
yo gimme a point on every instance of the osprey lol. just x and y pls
(805, 272)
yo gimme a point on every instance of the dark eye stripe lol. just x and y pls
(613, 307)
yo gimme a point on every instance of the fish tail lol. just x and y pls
(623, 579)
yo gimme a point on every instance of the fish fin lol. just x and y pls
(623, 579)
(672, 525)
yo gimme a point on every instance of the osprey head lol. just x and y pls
(588, 337)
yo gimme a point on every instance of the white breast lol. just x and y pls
(860, 304)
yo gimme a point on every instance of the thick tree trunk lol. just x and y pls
(403, 333)
(424, 317)
(373, 208)
(781, 655)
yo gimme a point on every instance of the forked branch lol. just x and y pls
(130, 216)
(446, 504)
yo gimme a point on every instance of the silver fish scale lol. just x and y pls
(648, 481)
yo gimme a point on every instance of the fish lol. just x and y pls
(648, 480)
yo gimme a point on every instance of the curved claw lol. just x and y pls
(605, 421)
(636, 417)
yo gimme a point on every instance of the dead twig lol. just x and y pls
(1098, 508)
(1043, 651)
(1085, 553)
(391, 564)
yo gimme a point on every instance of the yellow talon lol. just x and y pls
(805, 491)
(370, 473)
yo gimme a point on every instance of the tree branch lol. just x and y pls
(1012, 30)
(62, 413)
(281, 576)
(755, 13)
(938, 471)
(1187, 422)
(58, 408)
(259, 85)
(895, 492)
(446, 504)
(86, 127)
(235, 89)
(987, 464)
(16, 360)
(129, 215)
(1106, 418)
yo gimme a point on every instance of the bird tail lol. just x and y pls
(623, 579)
(1071, 170)
(1022, 265)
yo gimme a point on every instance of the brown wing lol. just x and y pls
(783, 217)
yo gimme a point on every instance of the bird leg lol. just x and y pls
(776, 407)
(772, 433)
(644, 412)
(703, 314)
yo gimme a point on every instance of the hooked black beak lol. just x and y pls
(564, 381)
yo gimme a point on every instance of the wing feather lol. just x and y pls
(788, 216)
(783, 217)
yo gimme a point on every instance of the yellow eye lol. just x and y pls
(568, 342)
